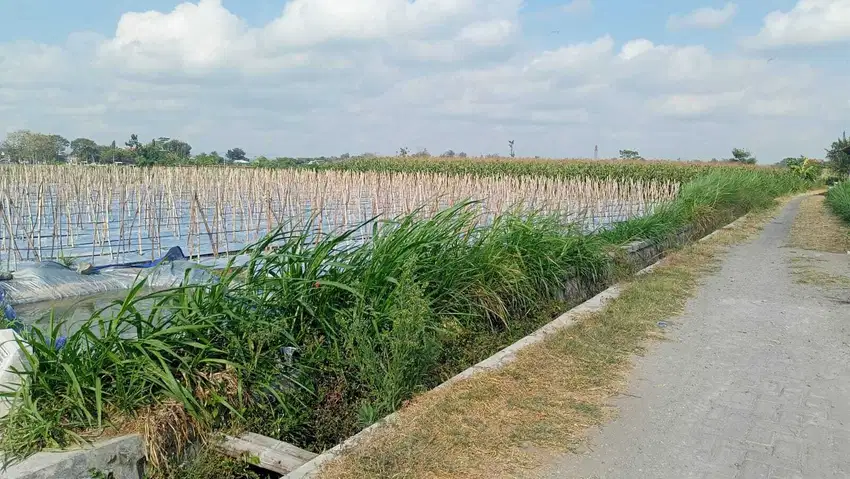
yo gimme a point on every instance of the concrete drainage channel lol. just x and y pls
(124, 458)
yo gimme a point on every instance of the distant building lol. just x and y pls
(241, 162)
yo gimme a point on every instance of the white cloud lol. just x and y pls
(578, 6)
(810, 22)
(705, 17)
(432, 73)
(205, 36)
(198, 36)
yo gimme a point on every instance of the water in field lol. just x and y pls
(71, 311)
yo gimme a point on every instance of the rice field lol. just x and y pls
(110, 213)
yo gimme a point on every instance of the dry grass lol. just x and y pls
(503, 423)
(816, 228)
(167, 428)
(806, 271)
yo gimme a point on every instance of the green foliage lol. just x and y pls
(792, 161)
(209, 464)
(205, 159)
(807, 169)
(630, 155)
(393, 353)
(838, 199)
(838, 155)
(709, 200)
(24, 146)
(178, 148)
(85, 150)
(742, 156)
(236, 154)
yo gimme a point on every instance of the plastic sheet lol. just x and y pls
(51, 281)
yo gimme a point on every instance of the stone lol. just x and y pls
(85, 268)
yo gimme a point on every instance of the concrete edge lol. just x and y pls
(120, 457)
(505, 356)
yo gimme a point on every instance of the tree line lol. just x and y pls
(25, 146)
(28, 147)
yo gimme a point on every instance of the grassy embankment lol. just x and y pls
(314, 340)
(821, 227)
(838, 199)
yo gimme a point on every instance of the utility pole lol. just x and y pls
(511, 144)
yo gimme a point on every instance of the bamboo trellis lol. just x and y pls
(120, 212)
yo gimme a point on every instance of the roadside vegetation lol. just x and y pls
(317, 337)
(818, 228)
(505, 422)
(838, 199)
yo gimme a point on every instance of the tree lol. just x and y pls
(838, 155)
(133, 143)
(208, 159)
(179, 148)
(462, 154)
(114, 154)
(808, 169)
(55, 147)
(792, 161)
(630, 155)
(24, 146)
(403, 151)
(448, 154)
(85, 150)
(13, 146)
(742, 156)
(236, 154)
(511, 145)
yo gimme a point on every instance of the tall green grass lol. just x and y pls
(838, 199)
(317, 337)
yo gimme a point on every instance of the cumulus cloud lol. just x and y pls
(705, 17)
(810, 22)
(319, 79)
(205, 36)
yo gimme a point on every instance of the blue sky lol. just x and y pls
(674, 79)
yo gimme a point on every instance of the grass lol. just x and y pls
(318, 337)
(838, 199)
(817, 228)
(208, 463)
(806, 271)
(500, 423)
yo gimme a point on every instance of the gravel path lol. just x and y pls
(753, 383)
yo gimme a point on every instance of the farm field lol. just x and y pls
(108, 214)
(348, 316)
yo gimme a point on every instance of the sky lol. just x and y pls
(687, 79)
